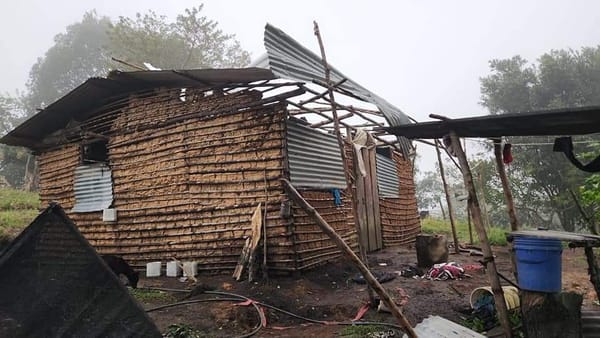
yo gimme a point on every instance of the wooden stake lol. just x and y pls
(265, 268)
(327, 229)
(514, 224)
(336, 123)
(448, 198)
(488, 256)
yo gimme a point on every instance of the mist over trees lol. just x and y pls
(86, 49)
(548, 190)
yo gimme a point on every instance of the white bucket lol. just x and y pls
(153, 269)
(190, 269)
(173, 269)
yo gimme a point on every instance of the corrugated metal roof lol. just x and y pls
(289, 59)
(568, 121)
(387, 177)
(314, 158)
(95, 92)
(438, 327)
(93, 188)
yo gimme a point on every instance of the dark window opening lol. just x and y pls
(95, 152)
(385, 151)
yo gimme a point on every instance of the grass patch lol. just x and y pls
(359, 331)
(496, 235)
(152, 296)
(12, 199)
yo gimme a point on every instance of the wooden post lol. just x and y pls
(468, 206)
(338, 134)
(448, 198)
(593, 269)
(488, 256)
(469, 222)
(514, 224)
(486, 219)
(327, 229)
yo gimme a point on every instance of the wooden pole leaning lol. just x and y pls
(488, 256)
(448, 199)
(295, 196)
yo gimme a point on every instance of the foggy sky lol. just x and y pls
(422, 56)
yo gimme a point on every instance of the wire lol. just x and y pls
(255, 304)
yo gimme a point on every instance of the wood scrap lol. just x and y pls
(247, 256)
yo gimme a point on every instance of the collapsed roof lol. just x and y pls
(286, 59)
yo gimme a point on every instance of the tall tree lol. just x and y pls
(191, 41)
(78, 54)
(545, 184)
(85, 49)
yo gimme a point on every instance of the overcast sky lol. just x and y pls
(422, 56)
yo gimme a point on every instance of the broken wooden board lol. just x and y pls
(249, 249)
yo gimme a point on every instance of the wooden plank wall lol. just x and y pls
(313, 246)
(399, 216)
(184, 190)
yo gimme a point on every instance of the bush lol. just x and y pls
(496, 235)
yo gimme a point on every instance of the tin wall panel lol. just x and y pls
(93, 188)
(314, 158)
(387, 177)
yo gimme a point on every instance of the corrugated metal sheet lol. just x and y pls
(289, 59)
(590, 324)
(93, 188)
(438, 327)
(387, 177)
(314, 158)
(564, 121)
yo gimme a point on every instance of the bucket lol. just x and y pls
(511, 296)
(190, 269)
(153, 269)
(173, 269)
(538, 263)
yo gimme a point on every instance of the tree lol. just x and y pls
(192, 41)
(85, 49)
(78, 54)
(545, 185)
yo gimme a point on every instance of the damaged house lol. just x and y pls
(152, 165)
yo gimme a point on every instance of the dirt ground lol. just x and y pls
(328, 293)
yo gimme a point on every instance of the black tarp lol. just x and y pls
(54, 284)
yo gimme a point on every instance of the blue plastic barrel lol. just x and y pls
(538, 263)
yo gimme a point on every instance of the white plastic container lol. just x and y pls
(173, 269)
(190, 269)
(153, 269)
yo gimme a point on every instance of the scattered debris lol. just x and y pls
(445, 271)
(381, 277)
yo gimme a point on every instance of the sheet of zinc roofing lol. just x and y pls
(438, 327)
(314, 158)
(387, 177)
(93, 187)
(289, 59)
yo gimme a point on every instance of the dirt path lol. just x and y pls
(328, 293)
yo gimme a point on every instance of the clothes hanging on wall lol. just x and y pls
(507, 157)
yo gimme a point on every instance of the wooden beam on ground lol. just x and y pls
(448, 200)
(488, 256)
(295, 196)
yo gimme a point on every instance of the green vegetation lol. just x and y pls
(496, 235)
(182, 331)
(17, 209)
(358, 331)
(154, 296)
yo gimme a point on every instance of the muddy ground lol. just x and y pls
(328, 293)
